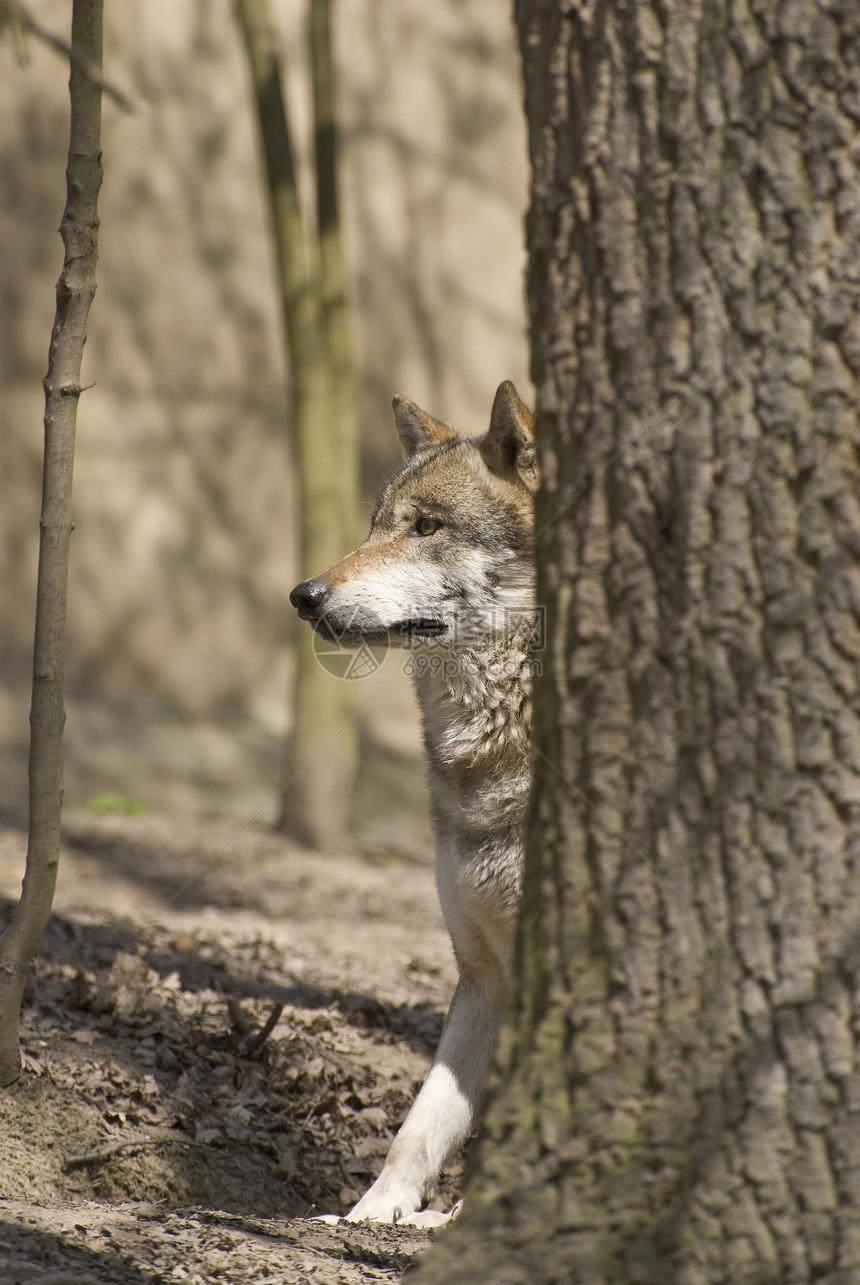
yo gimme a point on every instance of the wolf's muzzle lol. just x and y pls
(308, 598)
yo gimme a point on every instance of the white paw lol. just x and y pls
(427, 1218)
(386, 1205)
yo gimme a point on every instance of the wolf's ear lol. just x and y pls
(418, 430)
(508, 446)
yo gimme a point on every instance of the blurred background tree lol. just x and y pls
(316, 803)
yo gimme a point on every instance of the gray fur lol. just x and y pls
(462, 597)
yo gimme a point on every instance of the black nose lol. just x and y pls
(308, 597)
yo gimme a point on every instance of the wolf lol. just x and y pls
(447, 572)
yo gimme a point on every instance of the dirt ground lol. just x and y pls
(159, 1132)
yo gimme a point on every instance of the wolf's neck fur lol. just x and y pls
(484, 698)
(476, 711)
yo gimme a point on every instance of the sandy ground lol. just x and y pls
(158, 1133)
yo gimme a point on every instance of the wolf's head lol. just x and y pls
(449, 554)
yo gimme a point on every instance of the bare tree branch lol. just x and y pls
(17, 17)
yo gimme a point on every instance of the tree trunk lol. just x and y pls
(337, 339)
(75, 290)
(676, 1096)
(321, 755)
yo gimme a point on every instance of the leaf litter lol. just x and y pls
(200, 1080)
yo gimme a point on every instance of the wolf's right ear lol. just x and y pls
(418, 431)
(508, 446)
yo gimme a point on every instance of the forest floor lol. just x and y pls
(157, 1133)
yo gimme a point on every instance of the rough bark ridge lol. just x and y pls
(75, 290)
(677, 1096)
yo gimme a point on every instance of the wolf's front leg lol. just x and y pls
(442, 1115)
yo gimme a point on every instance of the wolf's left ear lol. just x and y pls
(508, 446)
(418, 430)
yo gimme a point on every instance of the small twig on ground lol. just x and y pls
(133, 1144)
(240, 1022)
(249, 1041)
(264, 1032)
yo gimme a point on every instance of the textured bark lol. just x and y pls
(321, 755)
(676, 1096)
(75, 290)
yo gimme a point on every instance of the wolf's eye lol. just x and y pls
(426, 526)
